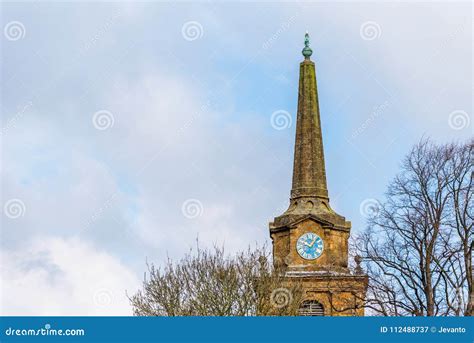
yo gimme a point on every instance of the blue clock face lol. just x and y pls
(310, 246)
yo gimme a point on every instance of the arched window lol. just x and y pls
(311, 308)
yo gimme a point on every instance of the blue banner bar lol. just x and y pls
(237, 329)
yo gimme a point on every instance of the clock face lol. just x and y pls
(309, 246)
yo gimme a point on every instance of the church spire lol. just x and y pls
(310, 240)
(309, 172)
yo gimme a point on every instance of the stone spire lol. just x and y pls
(309, 210)
(309, 172)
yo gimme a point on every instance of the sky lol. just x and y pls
(131, 130)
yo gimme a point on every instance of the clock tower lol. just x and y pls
(310, 240)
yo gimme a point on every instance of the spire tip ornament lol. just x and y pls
(307, 52)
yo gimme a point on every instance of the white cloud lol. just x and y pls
(54, 276)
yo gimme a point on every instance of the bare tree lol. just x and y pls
(209, 283)
(418, 246)
(460, 172)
